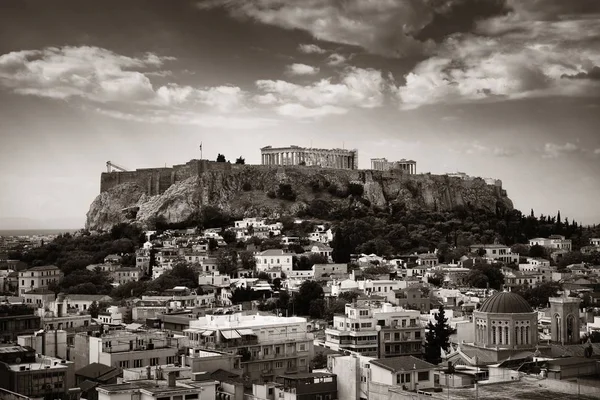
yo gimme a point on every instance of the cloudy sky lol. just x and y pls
(508, 89)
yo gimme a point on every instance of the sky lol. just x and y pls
(507, 89)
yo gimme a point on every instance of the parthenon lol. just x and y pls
(296, 155)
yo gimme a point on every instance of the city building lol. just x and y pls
(38, 277)
(382, 164)
(124, 275)
(130, 349)
(40, 297)
(272, 258)
(355, 375)
(302, 386)
(320, 249)
(428, 260)
(17, 320)
(81, 302)
(47, 343)
(553, 242)
(269, 345)
(413, 298)
(496, 252)
(23, 371)
(376, 330)
(164, 385)
(504, 326)
(408, 372)
(295, 155)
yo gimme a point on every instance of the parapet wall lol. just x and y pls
(156, 181)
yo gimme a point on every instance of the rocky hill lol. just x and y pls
(251, 190)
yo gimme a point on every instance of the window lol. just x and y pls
(266, 351)
(154, 361)
(423, 376)
(279, 364)
(171, 360)
(124, 364)
(386, 336)
(418, 335)
(191, 396)
(303, 347)
(137, 363)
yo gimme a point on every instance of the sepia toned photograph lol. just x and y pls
(299, 199)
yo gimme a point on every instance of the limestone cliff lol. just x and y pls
(249, 191)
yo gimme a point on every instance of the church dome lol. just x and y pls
(505, 303)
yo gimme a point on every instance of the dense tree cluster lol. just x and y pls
(74, 252)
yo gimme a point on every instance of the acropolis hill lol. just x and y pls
(179, 192)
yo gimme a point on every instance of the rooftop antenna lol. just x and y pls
(201, 150)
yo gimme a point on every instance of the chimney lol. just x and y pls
(148, 372)
(171, 378)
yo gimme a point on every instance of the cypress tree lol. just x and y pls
(437, 337)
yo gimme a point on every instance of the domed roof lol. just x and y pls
(505, 303)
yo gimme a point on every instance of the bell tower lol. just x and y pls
(564, 314)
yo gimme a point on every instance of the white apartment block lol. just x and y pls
(376, 330)
(124, 275)
(497, 252)
(540, 262)
(272, 258)
(554, 242)
(214, 279)
(124, 349)
(269, 345)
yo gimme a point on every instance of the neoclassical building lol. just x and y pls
(296, 155)
(382, 164)
(505, 321)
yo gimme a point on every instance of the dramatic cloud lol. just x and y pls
(302, 69)
(552, 150)
(89, 72)
(482, 150)
(356, 87)
(388, 27)
(472, 68)
(380, 26)
(336, 59)
(311, 49)
(191, 118)
(102, 76)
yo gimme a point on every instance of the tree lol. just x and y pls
(437, 337)
(437, 279)
(247, 259)
(229, 236)
(484, 275)
(285, 192)
(220, 158)
(94, 309)
(240, 160)
(309, 292)
(319, 361)
(537, 251)
(538, 296)
(227, 260)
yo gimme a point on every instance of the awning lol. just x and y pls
(231, 334)
(193, 330)
(208, 333)
(246, 332)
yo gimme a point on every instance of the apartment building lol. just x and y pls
(134, 349)
(269, 345)
(124, 275)
(553, 242)
(164, 386)
(308, 386)
(373, 329)
(38, 277)
(272, 258)
(497, 252)
(15, 320)
(34, 376)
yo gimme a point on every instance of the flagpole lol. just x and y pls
(201, 150)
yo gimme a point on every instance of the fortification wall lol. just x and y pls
(156, 181)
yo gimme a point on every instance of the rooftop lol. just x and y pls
(505, 303)
(243, 321)
(404, 363)
(43, 268)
